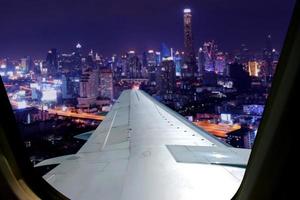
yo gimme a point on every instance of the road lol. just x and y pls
(219, 130)
(76, 115)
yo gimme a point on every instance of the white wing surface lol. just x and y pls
(144, 150)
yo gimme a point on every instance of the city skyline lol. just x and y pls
(219, 91)
(110, 32)
(110, 87)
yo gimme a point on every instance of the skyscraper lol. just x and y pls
(220, 63)
(67, 88)
(134, 66)
(106, 84)
(201, 63)
(165, 51)
(268, 56)
(89, 85)
(51, 61)
(178, 63)
(166, 79)
(253, 68)
(151, 66)
(26, 64)
(210, 50)
(189, 59)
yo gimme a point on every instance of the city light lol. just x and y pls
(57, 81)
(10, 73)
(187, 10)
(34, 86)
(49, 95)
(226, 118)
(78, 46)
(21, 104)
(64, 108)
(217, 88)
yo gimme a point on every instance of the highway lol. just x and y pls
(219, 130)
(76, 115)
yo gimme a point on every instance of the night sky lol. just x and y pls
(31, 27)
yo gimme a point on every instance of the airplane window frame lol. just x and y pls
(22, 182)
(271, 144)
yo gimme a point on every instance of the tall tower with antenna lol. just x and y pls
(189, 69)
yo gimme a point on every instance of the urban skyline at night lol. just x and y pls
(159, 99)
(220, 85)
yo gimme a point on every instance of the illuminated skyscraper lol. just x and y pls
(134, 66)
(151, 66)
(178, 63)
(166, 79)
(220, 63)
(244, 54)
(51, 61)
(268, 56)
(201, 62)
(106, 83)
(89, 83)
(189, 59)
(165, 51)
(210, 50)
(27, 64)
(253, 68)
(77, 55)
(89, 87)
(67, 88)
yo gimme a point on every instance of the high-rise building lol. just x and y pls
(90, 59)
(67, 88)
(144, 69)
(189, 67)
(243, 55)
(240, 77)
(220, 63)
(77, 58)
(117, 68)
(158, 58)
(151, 67)
(201, 63)
(268, 57)
(151, 58)
(166, 78)
(253, 68)
(51, 61)
(134, 66)
(178, 63)
(26, 64)
(165, 51)
(209, 50)
(106, 84)
(89, 85)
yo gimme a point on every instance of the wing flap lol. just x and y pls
(210, 155)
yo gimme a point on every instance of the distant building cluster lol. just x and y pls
(195, 82)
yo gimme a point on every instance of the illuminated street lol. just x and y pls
(219, 130)
(76, 115)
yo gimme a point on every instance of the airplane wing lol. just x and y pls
(144, 150)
